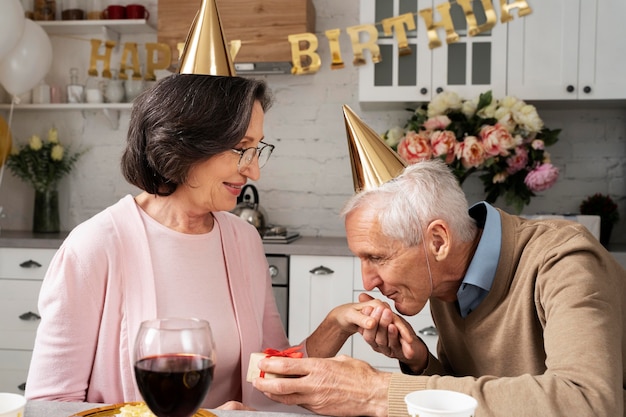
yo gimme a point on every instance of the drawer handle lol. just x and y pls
(30, 264)
(22, 386)
(321, 270)
(429, 331)
(30, 316)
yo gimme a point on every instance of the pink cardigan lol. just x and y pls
(99, 288)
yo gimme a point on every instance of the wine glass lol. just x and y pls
(174, 362)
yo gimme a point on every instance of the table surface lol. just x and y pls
(66, 409)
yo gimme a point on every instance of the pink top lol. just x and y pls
(100, 286)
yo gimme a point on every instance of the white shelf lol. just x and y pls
(111, 110)
(69, 106)
(78, 27)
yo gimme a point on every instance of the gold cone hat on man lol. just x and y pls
(373, 161)
(206, 50)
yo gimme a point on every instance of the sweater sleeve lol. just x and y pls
(70, 304)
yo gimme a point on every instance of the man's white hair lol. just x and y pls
(423, 192)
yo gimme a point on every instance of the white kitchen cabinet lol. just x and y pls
(21, 273)
(568, 50)
(317, 284)
(422, 323)
(469, 67)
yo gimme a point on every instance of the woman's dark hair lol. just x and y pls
(185, 119)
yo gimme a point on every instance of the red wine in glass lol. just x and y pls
(174, 385)
(174, 363)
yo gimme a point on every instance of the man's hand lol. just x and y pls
(339, 386)
(393, 336)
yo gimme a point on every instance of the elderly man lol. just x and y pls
(530, 314)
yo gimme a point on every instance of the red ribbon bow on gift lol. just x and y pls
(292, 352)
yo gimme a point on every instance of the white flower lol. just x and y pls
(56, 153)
(469, 107)
(447, 100)
(35, 143)
(528, 118)
(392, 136)
(53, 135)
(489, 111)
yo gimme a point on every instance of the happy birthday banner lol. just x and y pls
(304, 57)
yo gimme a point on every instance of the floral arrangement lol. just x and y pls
(42, 163)
(504, 140)
(600, 205)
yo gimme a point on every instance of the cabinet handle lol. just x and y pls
(439, 90)
(429, 331)
(30, 316)
(423, 91)
(570, 88)
(587, 89)
(321, 270)
(273, 271)
(30, 264)
(22, 386)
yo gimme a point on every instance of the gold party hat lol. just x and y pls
(206, 50)
(373, 161)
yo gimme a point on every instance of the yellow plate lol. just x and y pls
(113, 410)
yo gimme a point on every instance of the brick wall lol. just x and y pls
(309, 177)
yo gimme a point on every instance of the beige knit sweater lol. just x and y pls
(549, 338)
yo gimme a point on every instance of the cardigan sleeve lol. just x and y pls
(70, 304)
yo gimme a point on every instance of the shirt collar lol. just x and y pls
(482, 268)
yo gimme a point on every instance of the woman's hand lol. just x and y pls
(341, 323)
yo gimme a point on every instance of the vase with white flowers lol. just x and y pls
(43, 164)
(502, 140)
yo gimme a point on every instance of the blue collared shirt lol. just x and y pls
(482, 269)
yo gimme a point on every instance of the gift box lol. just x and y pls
(253, 367)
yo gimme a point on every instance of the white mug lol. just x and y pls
(439, 402)
(12, 405)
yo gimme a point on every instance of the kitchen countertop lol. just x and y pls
(305, 245)
(316, 246)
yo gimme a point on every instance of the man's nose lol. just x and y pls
(369, 275)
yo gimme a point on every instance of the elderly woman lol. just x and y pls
(172, 250)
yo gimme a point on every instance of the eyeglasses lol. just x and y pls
(246, 155)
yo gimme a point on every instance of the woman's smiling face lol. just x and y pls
(215, 184)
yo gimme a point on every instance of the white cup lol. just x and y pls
(94, 95)
(12, 405)
(41, 94)
(133, 88)
(438, 402)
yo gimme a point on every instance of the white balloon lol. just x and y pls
(28, 62)
(11, 25)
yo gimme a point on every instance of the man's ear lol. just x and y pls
(440, 239)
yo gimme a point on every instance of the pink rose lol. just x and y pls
(443, 143)
(414, 147)
(470, 152)
(542, 177)
(496, 140)
(538, 144)
(518, 161)
(437, 123)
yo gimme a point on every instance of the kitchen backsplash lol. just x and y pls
(308, 177)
